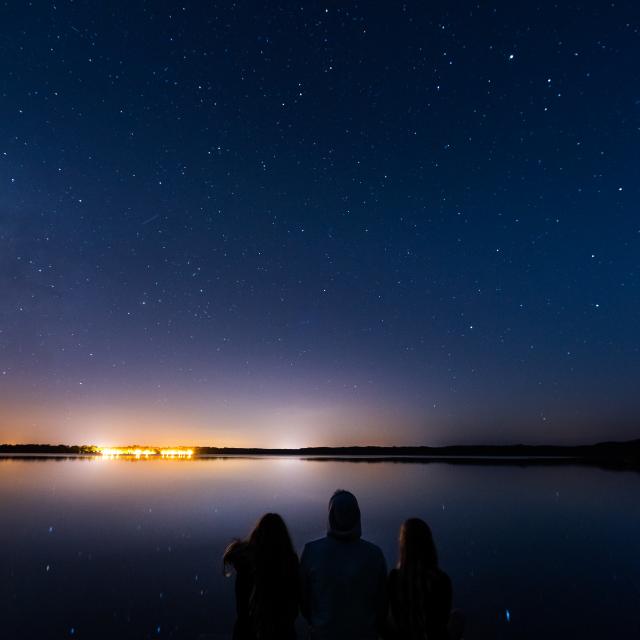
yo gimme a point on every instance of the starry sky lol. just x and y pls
(319, 223)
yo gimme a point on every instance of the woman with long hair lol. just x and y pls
(266, 567)
(419, 591)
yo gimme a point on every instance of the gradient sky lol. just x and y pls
(281, 224)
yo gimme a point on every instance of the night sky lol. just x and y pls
(289, 224)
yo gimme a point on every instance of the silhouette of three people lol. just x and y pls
(340, 585)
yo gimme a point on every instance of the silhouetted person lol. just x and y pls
(267, 587)
(343, 578)
(419, 591)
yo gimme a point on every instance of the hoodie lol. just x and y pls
(343, 578)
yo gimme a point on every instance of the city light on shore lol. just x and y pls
(139, 452)
(176, 453)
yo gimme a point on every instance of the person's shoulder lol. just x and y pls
(444, 581)
(318, 542)
(374, 549)
(442, 576)
(314, 546)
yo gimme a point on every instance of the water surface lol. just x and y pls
(93, 548)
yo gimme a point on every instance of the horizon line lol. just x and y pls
(303, 448)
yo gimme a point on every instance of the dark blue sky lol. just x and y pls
(319, 223)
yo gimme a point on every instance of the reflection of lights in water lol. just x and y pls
(508, 615)
(114, 452)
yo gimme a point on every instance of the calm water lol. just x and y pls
(125, 549)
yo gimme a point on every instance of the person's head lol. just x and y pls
(344, 516)
(268, 544)
(270, 538)
(416, 546)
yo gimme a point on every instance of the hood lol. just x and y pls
(344, 516)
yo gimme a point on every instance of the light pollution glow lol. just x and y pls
(275, 422)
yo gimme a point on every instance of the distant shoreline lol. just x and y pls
(605, 454)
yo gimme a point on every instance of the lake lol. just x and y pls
(98, 548)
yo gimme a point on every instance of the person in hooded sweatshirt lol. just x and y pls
(343, 578)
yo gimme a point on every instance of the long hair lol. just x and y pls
(417, 569)
(273, 562)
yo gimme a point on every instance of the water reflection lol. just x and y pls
(122, 548)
